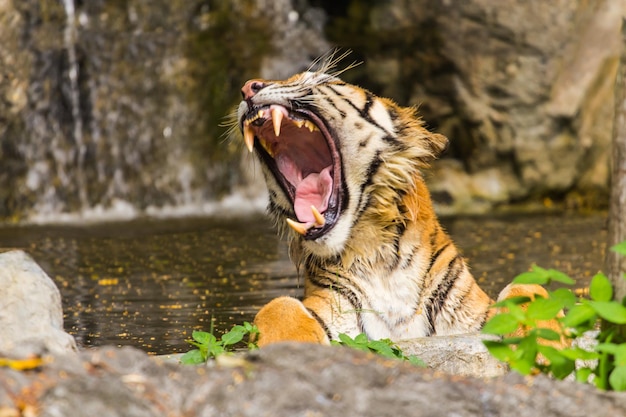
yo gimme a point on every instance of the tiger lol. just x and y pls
(344, 173)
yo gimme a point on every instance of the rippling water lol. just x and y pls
(149, 283)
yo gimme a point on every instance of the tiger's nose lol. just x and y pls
(251, 87)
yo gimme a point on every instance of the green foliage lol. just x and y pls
(532, 353)
(208, 346)
(384, 347)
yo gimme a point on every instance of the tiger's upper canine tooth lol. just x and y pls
(277, 118)
(299, 227)
(248, 136)
(319, 219)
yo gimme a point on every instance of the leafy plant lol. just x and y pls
(537, 350)
(209, 346)
(384, 347)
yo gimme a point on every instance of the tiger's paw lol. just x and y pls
(531, 291)
(287, 319)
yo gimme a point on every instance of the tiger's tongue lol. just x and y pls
(314, 190)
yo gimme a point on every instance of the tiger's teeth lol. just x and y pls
(310, 125)
(319, 219)
(299, 227)
(299, 123)
(277, 118)
(260, 114)
(248, 136)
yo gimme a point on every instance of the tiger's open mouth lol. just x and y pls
(298, 149)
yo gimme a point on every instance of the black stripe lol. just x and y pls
(274, 208)
(364, 112)
(322, 323)
(369, 177)
(332, 104)
(333, 285)
(439, 297)
(400, 230)
(435, 255)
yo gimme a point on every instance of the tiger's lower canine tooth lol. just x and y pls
(319, 219)
(248, 136)
(277, 118)
(299, 227)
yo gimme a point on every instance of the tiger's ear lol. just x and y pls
(438, 144)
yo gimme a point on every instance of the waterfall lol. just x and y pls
(113, 108)
(70, 35)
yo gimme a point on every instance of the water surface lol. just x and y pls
(149, 283)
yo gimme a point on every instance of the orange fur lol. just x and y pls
(285, 319)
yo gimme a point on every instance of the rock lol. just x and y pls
(31, 316)
(284, 380)
(456, 355)
(118, 106)
(524, 90)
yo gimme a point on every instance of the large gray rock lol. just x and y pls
(285, 380)
(31, 316)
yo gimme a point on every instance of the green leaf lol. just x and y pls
(607, 347)
(547, 334)
(532, 277)
(193, 357)
(359, 342)
(583, 374)
(527, 349)
(610, 311)
(577, 315)
(565, 296)
(215, 349)
(512, 301)
(345, 339)
(576, 353)
(543, 309)
(250, 328)
(600, 288)
(522, 366)
(619, 351)
(620, 248)
(235, 335)
(414, 360)
(384, 350)
(541, 276)
(203, 337)
(499, 350)
(617, 378)
(561, 277)
(560, 366)
(501, 324)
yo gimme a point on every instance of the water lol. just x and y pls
(149, 283)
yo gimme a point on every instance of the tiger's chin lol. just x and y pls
(300, 154)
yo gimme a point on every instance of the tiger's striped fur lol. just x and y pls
(379, 262)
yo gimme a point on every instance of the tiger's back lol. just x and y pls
(343, 170)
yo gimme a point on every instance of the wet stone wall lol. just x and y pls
(117, 105)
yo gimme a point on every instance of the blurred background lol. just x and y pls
(111, 110)
(116, 105)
